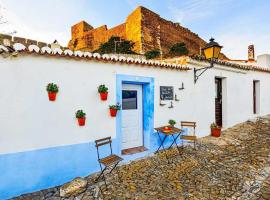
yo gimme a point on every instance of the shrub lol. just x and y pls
(152, 54)
(51, 87)
(178, 49)
(80, 114)
(172, 122)
(116, 45)
(102, 89)
(115, 107)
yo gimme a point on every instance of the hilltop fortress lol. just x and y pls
(145, 28)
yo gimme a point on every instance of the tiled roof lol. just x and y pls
(234, 65)
(67, 53)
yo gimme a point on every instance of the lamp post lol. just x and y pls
(211, 52)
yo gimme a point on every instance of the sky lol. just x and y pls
(234, 24)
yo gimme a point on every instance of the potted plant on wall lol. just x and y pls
(114, 109)
(80, 115)
(172, 122)
(52, 90)
(215, 130)
(103, 92)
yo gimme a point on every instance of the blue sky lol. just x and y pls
(234, 23)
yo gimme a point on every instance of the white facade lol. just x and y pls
(43, 137)
(29, 121)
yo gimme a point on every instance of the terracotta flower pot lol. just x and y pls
(215, 132)
(81, 121)
(52, 96)
(103, 96)
(113, 112)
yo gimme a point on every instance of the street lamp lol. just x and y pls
(211, 51)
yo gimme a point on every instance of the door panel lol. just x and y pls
(218, 101)
(132, 118)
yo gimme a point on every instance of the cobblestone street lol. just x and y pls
(234, 166)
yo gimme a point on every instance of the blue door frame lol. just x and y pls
(148, 107)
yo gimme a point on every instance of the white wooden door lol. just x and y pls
(132, 117)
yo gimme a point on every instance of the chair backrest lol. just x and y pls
(189, 125)
(102, 142)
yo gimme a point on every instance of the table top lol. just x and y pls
(172, 131)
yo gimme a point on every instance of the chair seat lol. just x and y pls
(188, 137)
(110, 160)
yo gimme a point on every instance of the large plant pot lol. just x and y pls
(81, 121)
(113, 112)
(215, 132)
(52, 96)
(103, 96)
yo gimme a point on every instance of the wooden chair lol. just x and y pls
(110, 161)
(189, 137)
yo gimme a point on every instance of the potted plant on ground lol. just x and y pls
(52, 90)
(114, 109)
(172, 122)
(103, 92)
(80, 115)
(215, 130)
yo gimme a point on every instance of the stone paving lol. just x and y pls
(234, 166)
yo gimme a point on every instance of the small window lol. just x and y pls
(129, 100)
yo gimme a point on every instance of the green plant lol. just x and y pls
(80, 114)
(116, 45)
(214, 125)
(178, 49)
(51, 87)
(152, 54)
(172, 122)
(102, 89)
(115, 107)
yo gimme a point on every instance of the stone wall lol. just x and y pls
(147, 29)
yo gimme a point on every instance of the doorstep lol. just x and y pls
(134, 150)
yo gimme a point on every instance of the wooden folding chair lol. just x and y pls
(108, 162)
(189, 137)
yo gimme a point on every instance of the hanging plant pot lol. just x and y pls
(103, 92)
(80, 115)
(113, 112)
(114, 109)
(216, 132)
(52, 96)
(81, 121)
(52, 90)
(103, 96)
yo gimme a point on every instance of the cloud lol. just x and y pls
(190, 11)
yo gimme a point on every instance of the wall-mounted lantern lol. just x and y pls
(211, 51)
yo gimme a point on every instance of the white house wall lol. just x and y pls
(30, 122)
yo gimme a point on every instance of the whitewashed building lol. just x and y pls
(41, 144)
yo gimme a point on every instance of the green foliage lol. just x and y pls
(214, 125)
(102, 89)
(51, 87)
(115, 107)
(80, 114)
(152, 54)
(172, 122)
(178, 49)
(116, 45)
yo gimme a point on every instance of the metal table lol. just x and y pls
(173, 132)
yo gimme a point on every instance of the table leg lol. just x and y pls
(174, 142)
(161, 145)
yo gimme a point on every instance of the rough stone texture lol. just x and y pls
(73, 188)
(147, 29)
(234, 166)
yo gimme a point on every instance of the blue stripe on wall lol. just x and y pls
(35, 170)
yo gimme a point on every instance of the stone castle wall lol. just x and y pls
(147, 29)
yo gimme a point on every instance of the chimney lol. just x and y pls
(55, 45)
(251, 53)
